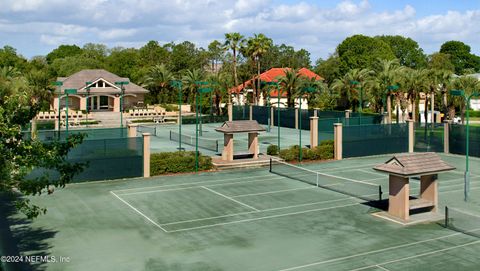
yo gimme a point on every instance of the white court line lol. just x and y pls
(273, 192)
(161, 190)
(216, 183)
(136, 210)
(182, 184)
(260, 211)
(348, 168)
(458, 190)
(261, 218)
(229, 198)
(381, 267)
(374, 173)
(418, 255)
(372, 252)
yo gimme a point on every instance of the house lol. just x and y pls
(241, 91)
(97, 90)
(475, 103)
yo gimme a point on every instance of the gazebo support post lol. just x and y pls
(227, 153)
(253, 144)
(399, 195)
(428, 189)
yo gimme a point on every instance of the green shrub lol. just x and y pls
(175, 162)
(474, 114)
(272, 150)
(322, 152)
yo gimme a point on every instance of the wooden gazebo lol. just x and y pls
(229, 128)
(401, 168)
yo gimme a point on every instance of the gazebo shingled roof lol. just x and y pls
(414, 164)
(240, 126)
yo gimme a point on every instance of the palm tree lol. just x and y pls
(158, 80)
(469, 85)
(413, 82)
(190, 85)
(234, 41)
(348, 86)
(387, 74)
(257, 47)
(291, 82)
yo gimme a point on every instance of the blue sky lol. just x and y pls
(35, 27)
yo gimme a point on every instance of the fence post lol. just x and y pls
(272, 113)
(230, 111)
(146, 155)
(411, 136)
(313, 132)
(296, 118)
(338, 141)
(132, 129)
(251, 112)
(446, 136)
(315, 112)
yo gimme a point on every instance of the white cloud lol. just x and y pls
(302, 24)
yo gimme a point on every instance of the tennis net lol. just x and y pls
(359, 189)
(462, 221)
(147, 129)
(209, 144)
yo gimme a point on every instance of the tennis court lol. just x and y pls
(166, 138)
(251, 220)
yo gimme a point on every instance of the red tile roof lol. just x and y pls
(272, 75)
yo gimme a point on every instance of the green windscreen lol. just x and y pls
(108, 159)
(365, 140)
(93, 133)
(261, 114)
(241, 112)
(458, 136)
(428, 137)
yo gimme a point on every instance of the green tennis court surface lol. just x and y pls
(248, 220)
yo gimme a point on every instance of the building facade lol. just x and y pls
(96, 90)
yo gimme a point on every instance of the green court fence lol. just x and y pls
(206, 119)
(287, 117)
(325, 126)
(261, 114)
(97, 133)
(457, 138)
(365, 140)
(241, 112)
(106, 159)
(428, 137)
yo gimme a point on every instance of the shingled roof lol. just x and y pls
(414, 164)
(78, 79)
(240, 126)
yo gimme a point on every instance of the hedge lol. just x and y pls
(175, 162)
(322, 152)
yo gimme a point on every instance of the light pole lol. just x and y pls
(122, 89)
(304, 90)
(461, 93)
(59, 85)
(68, 91)
(201, 89)
(178, 85)
(87, 88)
(273, 83)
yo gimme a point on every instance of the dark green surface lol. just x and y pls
(296, 227)
(365, 140)
(458, 135)
(429, 138)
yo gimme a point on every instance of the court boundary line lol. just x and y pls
(183, 184)
(140, 213)
(261, 218)
(229, 198)
(273, 192)
(383, 268)
(418, 255)
(374, 173)
(339, 259)
(260, 211)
